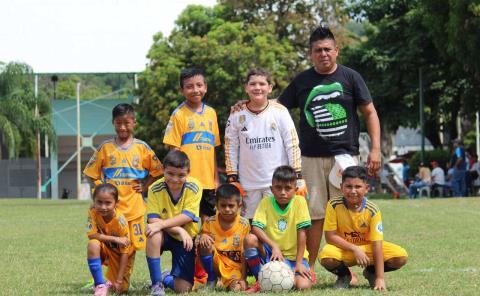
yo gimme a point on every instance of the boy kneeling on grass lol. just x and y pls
(354, 235)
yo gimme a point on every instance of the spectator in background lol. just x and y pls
(438, 177)
(405, 171)
(473, 181)
(423, 178)
(459, 164)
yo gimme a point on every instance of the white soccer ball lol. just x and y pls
(276, 276)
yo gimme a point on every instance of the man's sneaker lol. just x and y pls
(101, 290)
(343, 282)
(253, 289)
(157, 290)
(370, 276)
(89, 287)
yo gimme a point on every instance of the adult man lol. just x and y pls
(459, 165)
(438, 176)
(329, 95)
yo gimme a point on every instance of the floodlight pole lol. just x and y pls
(422, 124)
(79, 155)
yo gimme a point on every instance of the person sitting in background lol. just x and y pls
(438, 177)
(423, 178)
(473, 181)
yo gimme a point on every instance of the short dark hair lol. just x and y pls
(177, 159)
(227, 191)
(189, 73)
(122, 109)
(355, 171)
(108, 188)
(321, 33)
(259, 72)
(284, 173)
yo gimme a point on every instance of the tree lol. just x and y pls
(226, 41)
(18, 123)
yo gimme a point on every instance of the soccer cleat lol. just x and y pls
(101, 290)
(343, 282)
(157, 290)
(253, 289)
(210, 286)
(313, 275)
(370, 277)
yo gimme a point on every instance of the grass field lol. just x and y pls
(43, 249)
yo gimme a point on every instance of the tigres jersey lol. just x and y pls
(197, 135)
(256, 144)
(160, 203)
(122, 167)
(118, 227)
(281, 226)
(228, 244)
(359, 228)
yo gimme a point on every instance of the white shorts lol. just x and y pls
(251, 201)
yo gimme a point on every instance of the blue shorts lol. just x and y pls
(291, 263)
(183, 262)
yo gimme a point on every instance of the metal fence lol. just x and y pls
(18, 177)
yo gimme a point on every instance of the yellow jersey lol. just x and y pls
(228, 243)
(123, 167)
(196, 134)
(281, 225)
(161, 204)
(359, 228)
(118, 227)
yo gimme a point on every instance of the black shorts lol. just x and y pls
(207, 204)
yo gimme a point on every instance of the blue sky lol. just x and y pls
(85, 35)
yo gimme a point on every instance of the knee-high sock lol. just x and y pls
(95, 266)
(207, 262)
(253, 261)
(155, 270)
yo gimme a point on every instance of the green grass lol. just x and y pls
(43, 249)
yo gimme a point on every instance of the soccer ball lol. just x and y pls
(276, 276)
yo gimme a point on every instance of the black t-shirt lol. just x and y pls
(329, 122)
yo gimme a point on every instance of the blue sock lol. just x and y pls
(155, 270)
(169, 281)
(207, 262)
(95, 266)
(253, 261)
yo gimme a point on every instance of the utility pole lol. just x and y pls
(38, 156)
(422, 124)
(79, 148)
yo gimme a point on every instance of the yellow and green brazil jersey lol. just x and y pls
(281, 226)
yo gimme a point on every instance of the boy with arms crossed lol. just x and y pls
(173, 214)
(279, 230)
(354, 235)
(221, 241)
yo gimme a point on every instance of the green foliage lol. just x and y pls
(400, 40)
(18, 122)
(226, 41)
(441, 156)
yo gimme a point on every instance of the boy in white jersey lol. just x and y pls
(258, 139)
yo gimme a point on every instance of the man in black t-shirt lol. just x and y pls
(328, 95)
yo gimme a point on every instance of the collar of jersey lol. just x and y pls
(199, 112)
(171, 196)
(364, 203)
(123, 148)
(277, 208)
(260, 112)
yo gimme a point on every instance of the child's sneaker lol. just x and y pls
(354, 280)
(253, 289)
(89, 287)
(313, 275)
(210, 286)
(101, 290)
(370, 277)
(157, 290)
(343, 282)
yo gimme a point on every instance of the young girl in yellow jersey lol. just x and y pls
(354, 234)
(279, 230)
(221, 241)
(109, 242)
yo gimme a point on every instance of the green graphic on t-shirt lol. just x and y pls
(330, 119)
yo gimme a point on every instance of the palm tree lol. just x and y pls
(19, 124)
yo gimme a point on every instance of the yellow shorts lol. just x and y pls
(389, 251)
(111, 260)
(227, 274)
(137, 233)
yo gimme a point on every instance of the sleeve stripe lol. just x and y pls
(153, 215)
(191, 215)
(258, 224)
(305, 224)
